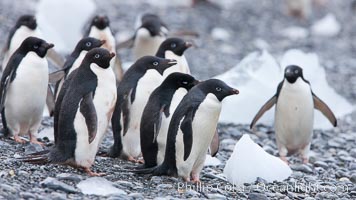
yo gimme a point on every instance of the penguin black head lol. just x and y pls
(28, 21)
(100, 21)
(100, 57)
(176, 45)
(36, 45)
(292, 73)
(153, 62)
(178, 80)
(153, 24)
(217, 87)
(88, 43)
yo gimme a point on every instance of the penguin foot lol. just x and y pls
(19, 140)
(284, 159)
(35, 141)
(186, 179)
(91, 173)
(132, 159)
(305, 160)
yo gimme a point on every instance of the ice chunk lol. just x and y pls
(257, 77)
(295, 32)
(327, 26)
(98, 186)
(47, 132)
(211, 161)
(249, 161)
(62, 21)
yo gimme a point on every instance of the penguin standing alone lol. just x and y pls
(294, 116)
(133, 93)
(157, 115)
(100, 28)
(83, 110)
(191, 130)
(23, 89)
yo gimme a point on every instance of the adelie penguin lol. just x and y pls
(157, 115)
(23, 89)
(73, 61)
(100, 28)
(174, 48)
(294, 113)
(192, 129)
(83, 111)
(133, 92)
(25, 27)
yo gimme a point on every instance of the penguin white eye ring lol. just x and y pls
(155, 63)
(184, 82)
(97, 56)
(173, 45)
(35, 46)
(296, 71)
(88, 44)
(218, 89)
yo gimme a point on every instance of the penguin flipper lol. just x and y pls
(50, 101)
(157, 125)
(268, 105)
(6, 79)
(323, 108)
(126, 109)
(87, 108)
(127, 43)
(187, 130)
(56, 76)
(214, 145)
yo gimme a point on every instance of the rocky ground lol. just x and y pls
(331, 173)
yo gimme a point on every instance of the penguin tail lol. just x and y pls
(39, 158)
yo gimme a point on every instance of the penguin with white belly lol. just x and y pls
(294, 115)
(157, 115)
(133, 91)
(191, 130)
(23, 89)
(83, 110)
(173, 48)
(100, 29)
(73, 61)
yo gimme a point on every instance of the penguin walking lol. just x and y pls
(73, 61)
(133, 93)
(157, 115)
(191, 130)
(173, 48)
(23, 89)
(83, 110)
(100, 28)
(294, 115)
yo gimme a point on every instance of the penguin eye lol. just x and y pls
(97, 56)
(173, 45)
(296, 71)
(218, 89)
(88, 44)
(35, 46)
(185, 83)
(155, 63)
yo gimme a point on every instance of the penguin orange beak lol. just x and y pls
(188, 44)
(234, 91)
(48, 46)
(103, 42)
(112, 54)
(196, 82)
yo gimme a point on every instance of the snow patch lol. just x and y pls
(211, 161)
(249, 161)
(98, 186)
(257, 77)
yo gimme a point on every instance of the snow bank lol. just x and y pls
(249, 161)
(62, 21)
(257, 77)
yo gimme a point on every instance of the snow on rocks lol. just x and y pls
(249, 161)
(99, 186)
(257, 77)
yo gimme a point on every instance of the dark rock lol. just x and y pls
(257, 196)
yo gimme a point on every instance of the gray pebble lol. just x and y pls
(27, 195)
(321, 164)
(165, 186)
(54, 184)
(33, 148)
(257, 196)
(353, 178)
(302, 168)
(136, 195)
(69, 177)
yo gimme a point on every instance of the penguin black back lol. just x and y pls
(158, 105)
(25, 20)
(176, 45)
(186, 111)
